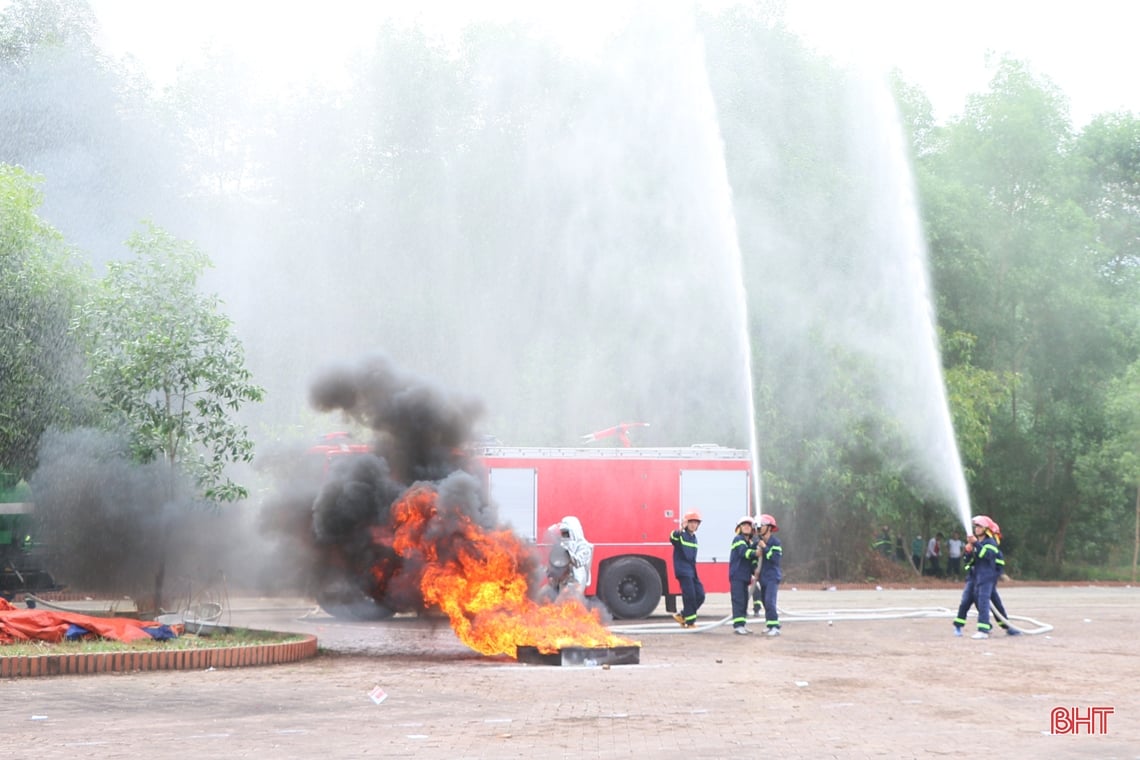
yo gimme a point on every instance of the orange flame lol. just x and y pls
(474, 576)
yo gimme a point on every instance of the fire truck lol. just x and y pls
(20, 565)
(627, 499)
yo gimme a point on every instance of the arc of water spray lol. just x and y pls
(902, 214)
(725, 220)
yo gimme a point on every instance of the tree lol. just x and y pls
(1018, 265)
(974, 394)
(1121, 451)
(29, 24)
(218, 116)
(1108, 156)
(166, 367)
(79, 119)
(40, 283)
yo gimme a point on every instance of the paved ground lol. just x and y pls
(858, 688)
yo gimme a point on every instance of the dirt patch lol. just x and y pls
(902, 687)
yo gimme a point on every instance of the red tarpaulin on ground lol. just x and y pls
(47, 625)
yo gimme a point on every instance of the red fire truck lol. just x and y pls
(628, 500)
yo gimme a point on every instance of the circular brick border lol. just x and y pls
(176, 659)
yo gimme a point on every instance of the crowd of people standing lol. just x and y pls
(938, 556)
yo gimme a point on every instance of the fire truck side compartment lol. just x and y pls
(628, 501)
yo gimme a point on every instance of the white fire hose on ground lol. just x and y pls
(830, 616)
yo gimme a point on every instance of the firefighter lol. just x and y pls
(883, 543)
(570, 556)
(995, 599)
(969, 595)
(982, 557)
(742, 560)
(967, 599)
(581, 551)
(684, 543)
(770, 575)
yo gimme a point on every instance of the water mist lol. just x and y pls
(897, 324)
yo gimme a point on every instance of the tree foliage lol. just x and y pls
(165, 364)
(1021, 216)
(85, 123)
(30, 25)
(40, 284)
(479, 200)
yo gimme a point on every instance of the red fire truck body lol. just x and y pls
(628, 501)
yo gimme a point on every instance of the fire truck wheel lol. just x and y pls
(631, 588)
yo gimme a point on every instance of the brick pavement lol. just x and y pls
(901, 688)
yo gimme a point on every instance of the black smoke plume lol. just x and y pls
(339, 512)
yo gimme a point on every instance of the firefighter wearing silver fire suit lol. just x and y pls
(742, 559)
(579, 553)
(685, 569)
(768, 585)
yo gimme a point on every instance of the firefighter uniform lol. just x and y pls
(986, 573)
(969, 594)
(770, 577)
(742, 559)
(685, 571)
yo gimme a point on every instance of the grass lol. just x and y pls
(232, 637)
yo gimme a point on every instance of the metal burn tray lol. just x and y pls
(580, 656)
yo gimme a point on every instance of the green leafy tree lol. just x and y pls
(218, 117)
(1115, 469)
(974, 395)
(166, 366)
(164, 361)
(76, 117)
(1107, 153)
(1018, 264)
(26, 25)
(40, 284)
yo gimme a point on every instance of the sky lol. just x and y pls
(1085, 49)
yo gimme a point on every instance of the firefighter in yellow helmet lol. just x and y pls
(684, 542)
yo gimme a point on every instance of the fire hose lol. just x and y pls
(832, 615)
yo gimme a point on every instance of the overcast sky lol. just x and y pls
(1086, 48)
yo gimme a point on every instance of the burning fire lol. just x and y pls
(474, 575)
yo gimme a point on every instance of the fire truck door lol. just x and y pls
(721, 496)
(514, 490)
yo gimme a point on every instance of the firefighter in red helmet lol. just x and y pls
(770, 574)
(985, 525)
(684, 542)
(982, 556)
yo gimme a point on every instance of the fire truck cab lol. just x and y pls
(628, 501)
(21, 569)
